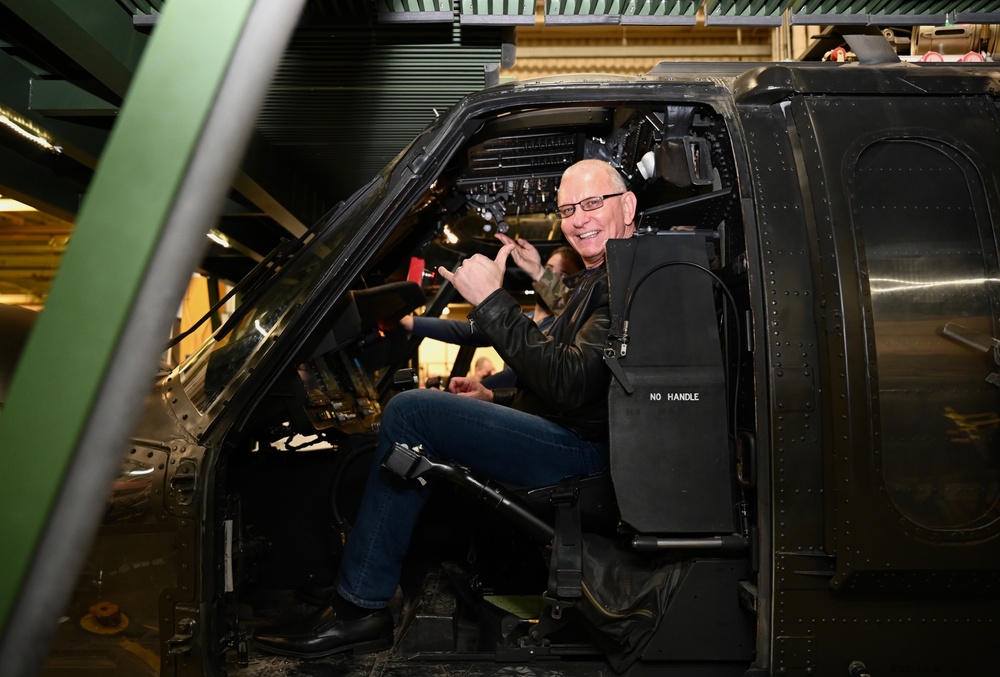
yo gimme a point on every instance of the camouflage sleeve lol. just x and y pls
(552, 290)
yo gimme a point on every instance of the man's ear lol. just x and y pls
(629, 204)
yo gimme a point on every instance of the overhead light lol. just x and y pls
(25, 130)
(9, 205)
(219, 239)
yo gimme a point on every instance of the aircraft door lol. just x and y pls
(905, 211)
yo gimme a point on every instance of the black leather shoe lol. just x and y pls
(321, 633)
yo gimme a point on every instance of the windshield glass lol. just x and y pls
(211, 368)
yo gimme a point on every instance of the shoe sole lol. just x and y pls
(358, 649)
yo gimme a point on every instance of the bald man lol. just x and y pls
(553, 425)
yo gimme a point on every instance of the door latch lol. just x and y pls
(183, 640)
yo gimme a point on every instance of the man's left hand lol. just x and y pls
(478, 276)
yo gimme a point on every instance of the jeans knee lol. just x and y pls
(404, 414)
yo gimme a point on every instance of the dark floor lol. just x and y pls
(433, 638)
(388, 665)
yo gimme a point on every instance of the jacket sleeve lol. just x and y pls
(566, 375)
(449, 331)
(552, 290)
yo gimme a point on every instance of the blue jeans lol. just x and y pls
(493, 441)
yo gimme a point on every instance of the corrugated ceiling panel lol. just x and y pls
(583, 11)
(626, 12)
(985, 11)
(416, 11)
(142, 6)
(499, 12)
(745, 12)
(379, 84)
(875, 12)
(894, 12)
(660, 12)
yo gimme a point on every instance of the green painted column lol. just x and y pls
(159, 187)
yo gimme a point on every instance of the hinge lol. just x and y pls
(183, 639)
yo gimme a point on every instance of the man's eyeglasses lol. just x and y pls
(587, 204)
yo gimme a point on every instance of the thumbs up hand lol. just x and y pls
(478, 276)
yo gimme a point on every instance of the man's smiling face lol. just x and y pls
(588, 231)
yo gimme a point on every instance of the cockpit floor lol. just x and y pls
(388, 664)
(428, 629)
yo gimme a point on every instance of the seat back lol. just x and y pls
(670, 455)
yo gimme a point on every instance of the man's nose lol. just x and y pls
(578, 217)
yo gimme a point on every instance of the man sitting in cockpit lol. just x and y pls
(552, 426)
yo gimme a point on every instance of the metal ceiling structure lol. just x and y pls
(358, 81)
(351, 91)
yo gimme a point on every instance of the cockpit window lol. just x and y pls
(208, 371)
(932, 273)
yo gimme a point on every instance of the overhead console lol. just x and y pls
(667, 153)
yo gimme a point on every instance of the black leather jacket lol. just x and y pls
(561, 373)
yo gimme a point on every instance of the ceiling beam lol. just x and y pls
(100, 36)
(35, 184)
(61, 98)
(96, 34)
(81, 143)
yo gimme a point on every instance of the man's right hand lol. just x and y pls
(478, 276)
(525, 256)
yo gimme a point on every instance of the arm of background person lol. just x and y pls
(552, 290)
(449, 331)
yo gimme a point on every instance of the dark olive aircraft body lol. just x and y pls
(804, 402)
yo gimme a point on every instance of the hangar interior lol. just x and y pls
(353, 87)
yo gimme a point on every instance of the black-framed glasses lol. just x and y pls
(588, 204)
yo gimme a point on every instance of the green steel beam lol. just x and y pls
(100, 36)
(97, 34)
(83, 144)
(86, 368)
(33, 179)
(277, 187)
(59, 97)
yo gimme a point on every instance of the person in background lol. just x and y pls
(553, 425)
(483, 368)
